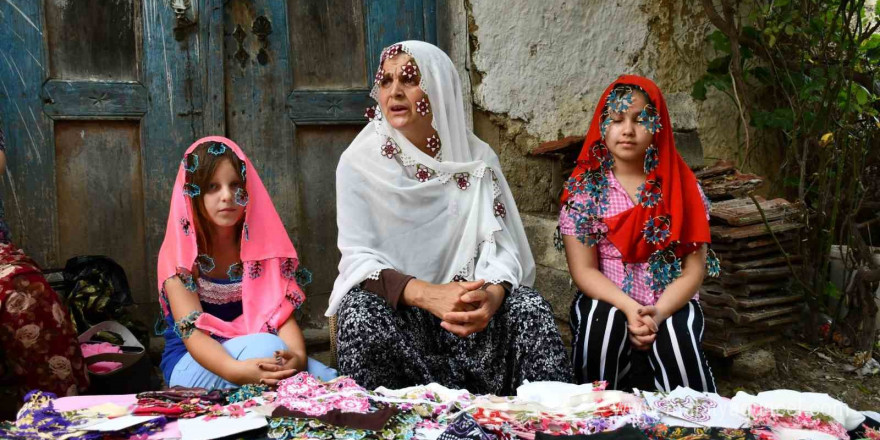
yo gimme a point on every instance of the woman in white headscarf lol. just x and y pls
(434, 280)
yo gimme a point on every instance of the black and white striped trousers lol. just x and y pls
(602, 350)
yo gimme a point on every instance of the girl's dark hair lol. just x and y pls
(205, 159)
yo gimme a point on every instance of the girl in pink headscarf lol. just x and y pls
(227, 277)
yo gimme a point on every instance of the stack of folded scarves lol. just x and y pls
(178, 402)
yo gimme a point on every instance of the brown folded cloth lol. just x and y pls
(374, 421)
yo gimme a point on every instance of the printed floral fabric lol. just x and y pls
(316, 400)
(379, 346)
(37, 335)
(185, 409)
(871, 433)
(307, 394)
(780, 418)
(591, 417)
(246, 392)
(400, 426)
(464, 427)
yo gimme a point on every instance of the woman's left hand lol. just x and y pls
(487, 300)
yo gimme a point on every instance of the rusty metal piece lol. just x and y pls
(241, 55)
(183, 23)
(262, 28)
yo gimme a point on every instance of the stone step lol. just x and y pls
(317, 338)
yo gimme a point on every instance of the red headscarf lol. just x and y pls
(680, 208)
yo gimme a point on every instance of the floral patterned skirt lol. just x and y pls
(380, 346)
(37, 337)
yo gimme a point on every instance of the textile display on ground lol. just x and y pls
(304, 407)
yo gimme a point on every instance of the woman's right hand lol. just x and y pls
(259, 371)
(439, 299)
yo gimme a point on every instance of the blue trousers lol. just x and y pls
(189, 373)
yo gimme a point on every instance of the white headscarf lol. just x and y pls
(460, 223)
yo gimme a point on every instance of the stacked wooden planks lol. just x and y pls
(751, 302)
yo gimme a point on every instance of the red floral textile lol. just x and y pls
(37, 336)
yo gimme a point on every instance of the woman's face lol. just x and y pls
(219, 196)
(404, 104)
(626, 132)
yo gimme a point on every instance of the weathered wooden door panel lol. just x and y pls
(29, 183)
(100, 192)
(94, 56)
(87, 60)
(327, 43)
(94, 39)
(318, 148)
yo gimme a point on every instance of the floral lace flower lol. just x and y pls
(649, 119)
(649, 193)
(423, 173)
(390, 52)
(652, 158)
(191, 190)
(379, 76)
(462, 179)
(500, 210)
(390, 149)
(217, 149)
(185, 225)
(657, 229)
(241, 197)
(423, 107)
(190, 162)
(370, 113)
(434, 143)
(619, 100)
(409, 70)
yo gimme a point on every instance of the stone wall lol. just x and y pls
(537, 70)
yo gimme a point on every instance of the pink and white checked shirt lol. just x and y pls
(610, 263)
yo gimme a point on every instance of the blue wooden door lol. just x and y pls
(100, 98)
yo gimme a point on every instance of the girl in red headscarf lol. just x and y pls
(634, 223)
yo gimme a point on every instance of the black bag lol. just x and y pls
(95, 290)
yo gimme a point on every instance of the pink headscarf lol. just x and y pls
(269, 292)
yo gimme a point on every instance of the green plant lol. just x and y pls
(807, 72)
